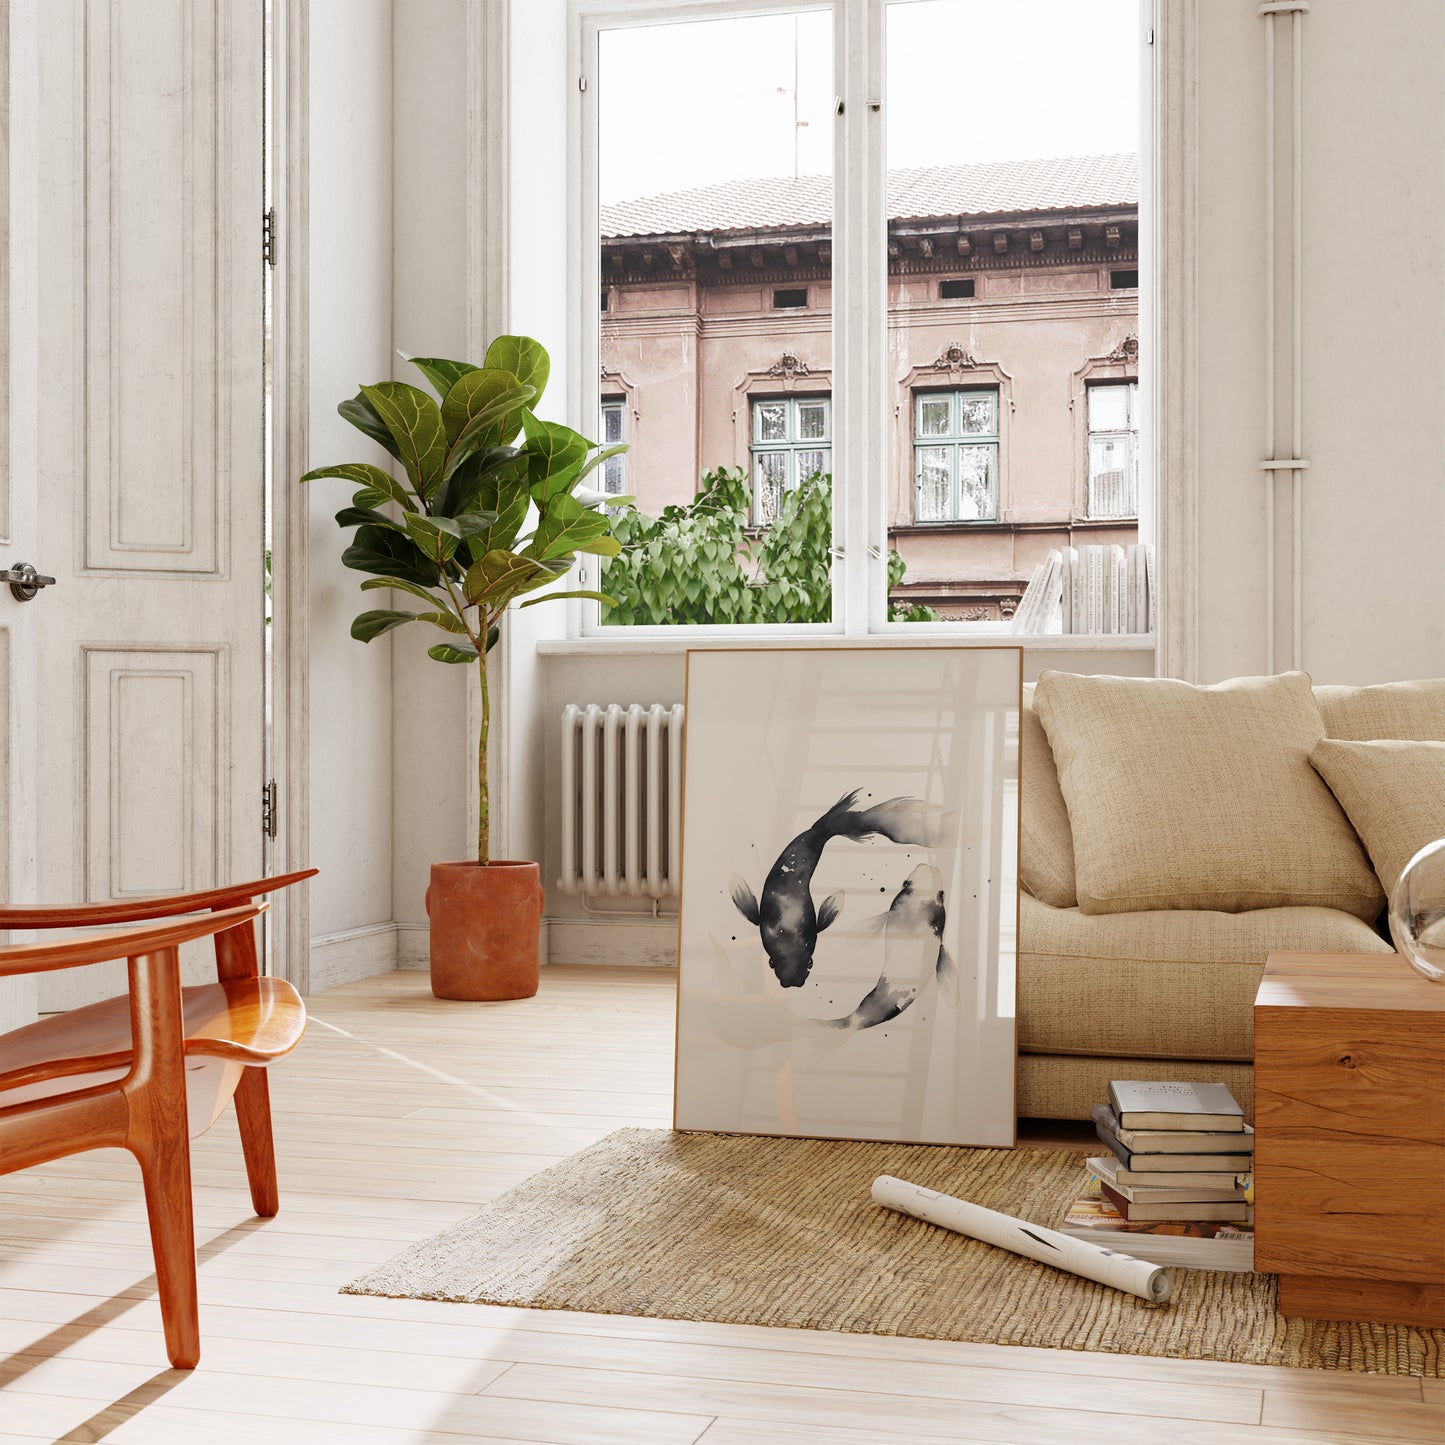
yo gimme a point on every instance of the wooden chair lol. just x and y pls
(150, 1070)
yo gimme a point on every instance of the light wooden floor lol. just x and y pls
(399, 1114)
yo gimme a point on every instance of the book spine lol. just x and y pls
(1113, 1145)
(1052, 598)
(1069, 562)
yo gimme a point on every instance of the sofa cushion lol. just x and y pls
(1046, 846)
(1172, 984)
(1200, 797)
(1413, 710)
(1394, 793)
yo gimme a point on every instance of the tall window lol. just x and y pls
(791, 442)
(955, 455)
(773, 327)
(614, 430)
(1113, 449)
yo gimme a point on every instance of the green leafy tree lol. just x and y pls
(478, 468)
(705, 563)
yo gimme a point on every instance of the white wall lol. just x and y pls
(1373, 322)
(351, 338)
(430, 775)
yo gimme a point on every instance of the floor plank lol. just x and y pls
(399, 1114)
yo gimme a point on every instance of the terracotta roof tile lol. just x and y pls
(1063, 183)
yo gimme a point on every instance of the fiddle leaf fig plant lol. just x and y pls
(491, 512)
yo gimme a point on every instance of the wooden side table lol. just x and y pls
(1349, 1171)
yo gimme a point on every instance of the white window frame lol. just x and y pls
(953, 441)
(793, 446)
(1128, 434)
(860, 416)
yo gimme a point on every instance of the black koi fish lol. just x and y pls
(785, 917)
(913, 953)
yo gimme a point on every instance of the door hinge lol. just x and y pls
(270, 810)
(1149, 37)
(268, 237)
(582, 83)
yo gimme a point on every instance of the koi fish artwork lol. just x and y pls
(785, 916)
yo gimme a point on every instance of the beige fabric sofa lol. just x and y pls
(1163, 994)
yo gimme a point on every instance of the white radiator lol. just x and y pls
(622, 800)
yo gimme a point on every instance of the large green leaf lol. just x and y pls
(603, 546)
(432, 534)
(555, 455)
(415, 423)
(487, 428)
(478, 391)
(391, 554)
(442, 374)
(453, 652)
(500, 576)
(400, 584)
(566, 526)
(364, 517)
(372, 624)
(576, 592)
(483, 481)
(358, 411)
(370, 477)
(526, 359)
(448, 621)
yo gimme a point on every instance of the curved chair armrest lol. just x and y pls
(138, 910)
(99, 948)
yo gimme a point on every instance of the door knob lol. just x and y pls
(24, 581)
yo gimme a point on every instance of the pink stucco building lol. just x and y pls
(1013, 354)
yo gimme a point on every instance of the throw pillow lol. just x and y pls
(1394, 793)
(1200, 797)
(1046, 846)
(1390, 710)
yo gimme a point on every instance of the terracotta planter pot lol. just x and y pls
(486, 929)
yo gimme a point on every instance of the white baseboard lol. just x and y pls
(413, 945)
(338, 958)
(649, 942)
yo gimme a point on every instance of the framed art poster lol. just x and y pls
(850, 893)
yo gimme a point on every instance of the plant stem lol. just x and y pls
(484, 840)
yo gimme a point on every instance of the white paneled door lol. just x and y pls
(149, 508)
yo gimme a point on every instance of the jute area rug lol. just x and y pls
(759, 1231)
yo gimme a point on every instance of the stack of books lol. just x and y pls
(1089, 590)
(1177, 1177)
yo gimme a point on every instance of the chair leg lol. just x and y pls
(253, 1113)
(158, 1136)
(167, 1178)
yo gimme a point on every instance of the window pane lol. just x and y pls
(935, 484)
(708, 130)
(614, 476)
(1032, 194)
(770, 421)
(611, 424)
(1108, 408)
(812, 420)
(1112, 487)
(810, 464)
(935, 416)
(770, 481)
(977, 469)
(978, 414)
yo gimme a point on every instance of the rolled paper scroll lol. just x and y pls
(1092, 1261)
